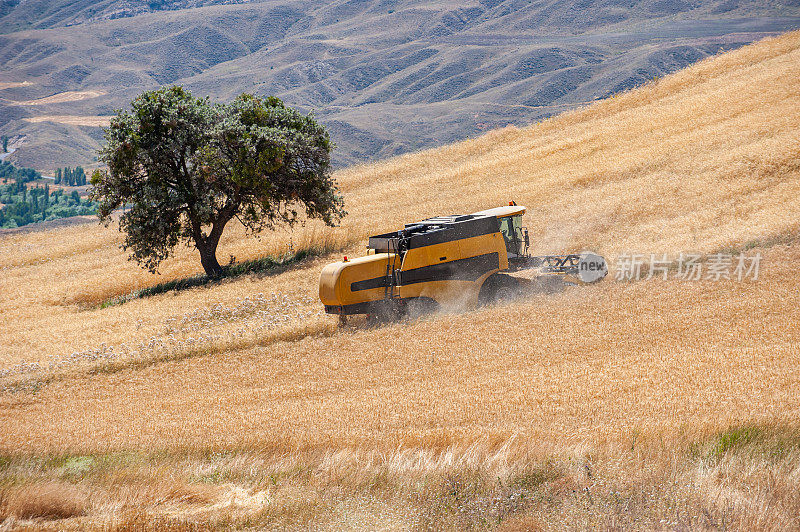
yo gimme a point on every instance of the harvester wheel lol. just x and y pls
(385, 311)
(549, 284)
(505, 293)
(420, 306)
(499, 287)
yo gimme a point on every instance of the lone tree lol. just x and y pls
(186, 167)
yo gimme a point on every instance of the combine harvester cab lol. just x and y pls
(450, 261)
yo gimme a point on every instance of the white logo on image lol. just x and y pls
(591, 267)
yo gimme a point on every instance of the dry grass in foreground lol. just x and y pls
(652, 404)
(745, 477)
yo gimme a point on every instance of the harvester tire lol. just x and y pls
(384, 311)
(419, 306)
(500, 287)
(548, 284)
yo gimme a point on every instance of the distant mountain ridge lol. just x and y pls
(385, 77)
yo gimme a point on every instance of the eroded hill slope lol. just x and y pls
(386, 78)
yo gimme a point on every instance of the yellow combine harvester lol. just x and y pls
(445, 260)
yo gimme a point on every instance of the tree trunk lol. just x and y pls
(208, 258)
(207, 245)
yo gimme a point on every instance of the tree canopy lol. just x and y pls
(186, 167)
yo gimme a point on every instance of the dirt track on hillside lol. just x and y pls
(11, 84)
(72, 120)
(62, 97)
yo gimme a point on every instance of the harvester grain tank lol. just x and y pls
(460, 260)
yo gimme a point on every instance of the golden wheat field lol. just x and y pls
(649, 404)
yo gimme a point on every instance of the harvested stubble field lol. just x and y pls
(646, 404)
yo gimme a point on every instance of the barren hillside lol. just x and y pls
(641, 404)
(385, 77)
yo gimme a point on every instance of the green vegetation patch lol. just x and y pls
(754, 440)
(21, 204)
